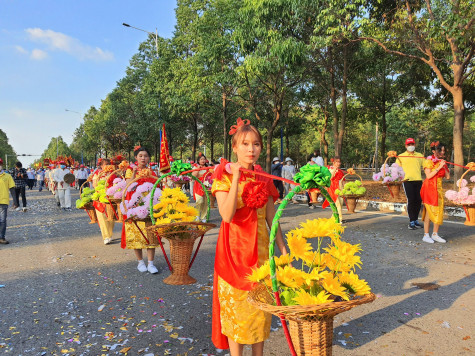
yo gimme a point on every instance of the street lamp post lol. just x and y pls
(154, 35)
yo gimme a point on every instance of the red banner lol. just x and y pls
(164, 152)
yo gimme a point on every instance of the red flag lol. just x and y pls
(164, 152)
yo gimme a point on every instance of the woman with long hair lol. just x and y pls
(246, 205)
(432, 194)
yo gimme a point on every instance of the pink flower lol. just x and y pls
(462, 183)
(472, 179)
(387, 179)
(451, 195)
(377, 176)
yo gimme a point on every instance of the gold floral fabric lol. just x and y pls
(133, 237)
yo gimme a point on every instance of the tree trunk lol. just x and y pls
(333, 101)
(383, 121)
(225, 126)
(195, 137)
(270, 133)
(459, 109)
(287, 143)
(344, 103)
(212, 148)
(323, 140)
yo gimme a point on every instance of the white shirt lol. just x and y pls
(81, 174)
(58, 177)
(288, 171)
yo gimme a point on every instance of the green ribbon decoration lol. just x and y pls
(178, 166)
(313, 176)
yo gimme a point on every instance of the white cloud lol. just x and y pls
(61, 42)
(38, 54)
(21, 50)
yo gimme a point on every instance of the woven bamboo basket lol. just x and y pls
(89, 207)
(311, 326)
(181, 237)
(149, 237)
(394, 187)
(351, 199)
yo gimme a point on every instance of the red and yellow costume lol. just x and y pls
(431, 192)
(199, 194)
(131, 237)
(337, 175)
(242, 245)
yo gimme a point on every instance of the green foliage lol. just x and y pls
(6, 149)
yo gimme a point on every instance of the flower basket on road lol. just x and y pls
(463, 198)
(85, 202)
(351, 191)
(391, 176)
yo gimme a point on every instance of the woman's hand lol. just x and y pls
(235, 169)
(442, 163)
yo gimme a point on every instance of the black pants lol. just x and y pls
(280, 187)
(31, 183)
(81, 182)
(414, 200)
(21, 191)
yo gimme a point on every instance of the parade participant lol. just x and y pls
(31, 178)
(81, 176)
(106, 226)
(20, 177)
(337, 175)
(310, 160)
(7, 184)
(198, 192)
(411, 162)
(40, 177)
(133, 238)
(288, 172)
(276, 170)
(63, 190)
(432, 194)
(317, 158)
(245, 203)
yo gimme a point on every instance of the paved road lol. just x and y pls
(64, 292)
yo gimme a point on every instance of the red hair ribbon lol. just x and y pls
(434, 144)
(239, 123)
(137, 147)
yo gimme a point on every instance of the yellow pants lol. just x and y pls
(202, 206)
(106, 227)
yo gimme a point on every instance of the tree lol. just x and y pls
(6, 149)
(441, 34)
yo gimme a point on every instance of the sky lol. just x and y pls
(64, 54)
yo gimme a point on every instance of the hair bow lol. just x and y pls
(137, 147)
(434, 144)
(239, 123)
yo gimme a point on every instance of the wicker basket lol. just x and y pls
(394, 187)
(352, 199)
(311, 326)
(181, 237)
(89, 207)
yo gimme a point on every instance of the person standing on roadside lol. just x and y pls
(20, 177)
(276, 170)
(317, 158)
(411, 162)
(288, 172)
(6, 184)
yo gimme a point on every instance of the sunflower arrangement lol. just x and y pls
(326, 274)
(173, 207)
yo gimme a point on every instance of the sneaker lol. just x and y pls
(418, 225)
(58, 203)
(141, 266)
(427, 239)
(4, 242)
(204, 221)
(311, 206)
(436, 237)
(18, 209)
(25, 209)
(411, 226)
(152, 269)
(107, 241)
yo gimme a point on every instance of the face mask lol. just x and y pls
(62, 166)
(289, 163)
(411, 148)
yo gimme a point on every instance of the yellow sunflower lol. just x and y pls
(260, 273)
(305, 298)
(290, 276)
(344, 253)
(283, 260)
(321, 228)
(176, 216)
(354, 284)
(159, 214)
(163, 221)
(298, 245)
(333, 286)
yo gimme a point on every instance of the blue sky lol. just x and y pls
(62, 54)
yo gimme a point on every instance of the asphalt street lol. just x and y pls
(63, 292)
